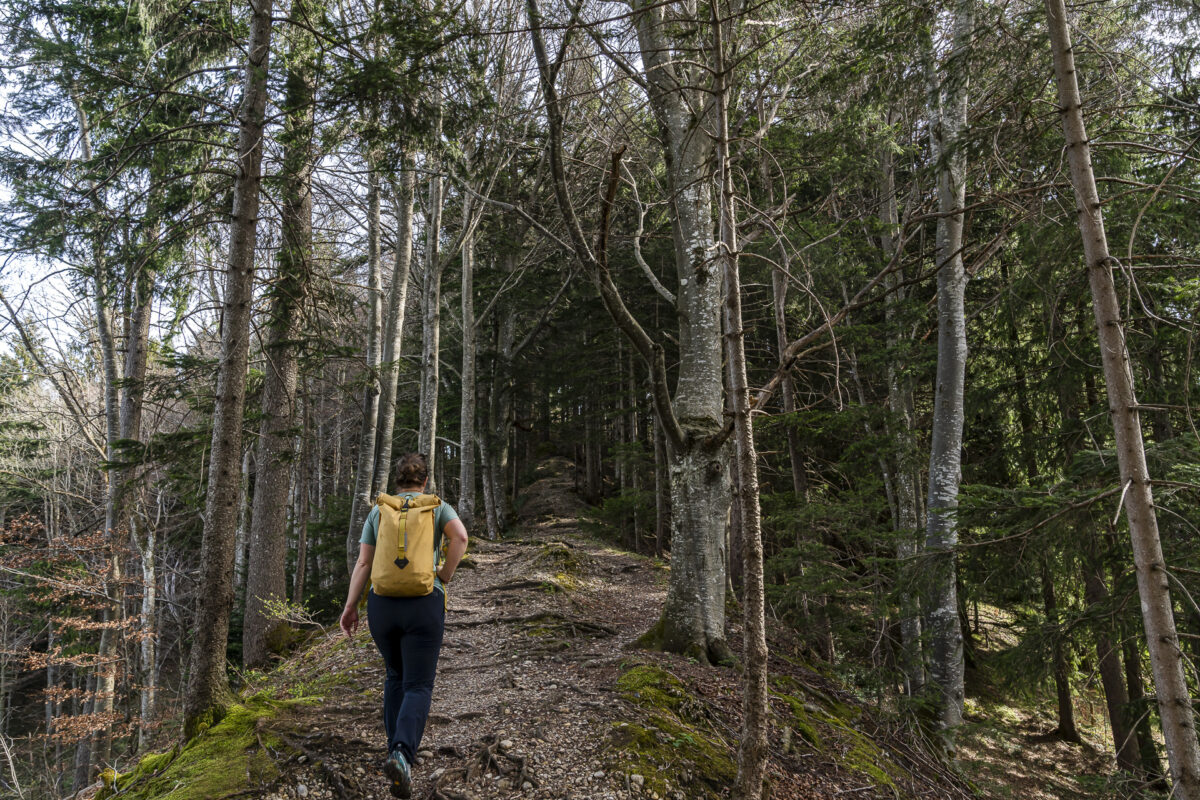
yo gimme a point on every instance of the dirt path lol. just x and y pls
(525, 689)
(541, 693)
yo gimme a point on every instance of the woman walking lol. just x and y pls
(400, 551)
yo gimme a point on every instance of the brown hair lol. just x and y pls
(412, 469)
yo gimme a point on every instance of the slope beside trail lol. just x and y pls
(542, 693)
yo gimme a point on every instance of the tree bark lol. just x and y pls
(1166, 659)
(266, 580)
(393, 337)
(431, 326)
(752, 752)
(466, 436)
(948, 118)
(693, 617)
(899, 402)
(207, 686)
(1116, 700)
(132, 480)
(364, 471)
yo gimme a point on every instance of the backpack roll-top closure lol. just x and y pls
(405, 559)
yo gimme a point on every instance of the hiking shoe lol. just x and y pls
(397, 771)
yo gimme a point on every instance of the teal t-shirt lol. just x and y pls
(443, 514)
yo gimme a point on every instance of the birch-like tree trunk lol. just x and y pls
(364, 471)
(947, 124)
(106, 677)
(393, 335)
(266, 580)
(1166, 658)
(752, 751)
(207, 685)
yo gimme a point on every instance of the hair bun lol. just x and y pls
(412, 469)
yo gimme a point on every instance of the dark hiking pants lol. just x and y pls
(408, 633)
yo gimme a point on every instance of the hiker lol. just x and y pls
(406, 607)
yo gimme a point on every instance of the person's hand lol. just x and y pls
(349, 621)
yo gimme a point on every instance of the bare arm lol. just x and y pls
(456, 533)
(358, 581)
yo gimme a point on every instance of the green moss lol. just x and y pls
(828, 726)
(557, 558)
(652, 686)
(801, 721)
(674, 741)
(227, 757)
(668, 754)
(653, 638)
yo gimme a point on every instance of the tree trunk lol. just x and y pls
(466, 473)
(752, 752)
(132, 480)
(1139, 711)
(364, 471)
(948, 117)
(431, 327)
(899, 402)
(267, 568)
(662, 499)
(393, 337)
(1116, 699)
(1166, 659)
(1062, 685)
(207, 685)
(693, 618)
(241, 536)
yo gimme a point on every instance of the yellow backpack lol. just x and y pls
(405, 547)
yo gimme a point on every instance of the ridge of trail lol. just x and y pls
(540, 631)
(535, 633)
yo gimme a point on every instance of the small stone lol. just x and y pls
(301, 790)
(360, 770)
(301, 759)
(552, 686)
(638, 780)
(506, 744)
(504, 784)
(526, 786)
(598, 773)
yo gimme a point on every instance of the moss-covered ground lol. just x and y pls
(238, 753)
(247, 751)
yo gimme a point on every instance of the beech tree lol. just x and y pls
(947, 127)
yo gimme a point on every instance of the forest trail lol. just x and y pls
(534, 634)
(542, 693)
